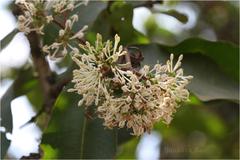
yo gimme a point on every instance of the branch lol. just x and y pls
(45, 75)
(50, 87)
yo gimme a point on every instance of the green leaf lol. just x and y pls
(226, 55)
(209, 81)
(179, 16)
(23, 83)
(8, 38)
(71, 134)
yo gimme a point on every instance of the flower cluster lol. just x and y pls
(124, 96)
(37, 13)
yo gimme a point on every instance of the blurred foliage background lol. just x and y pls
(205, 127)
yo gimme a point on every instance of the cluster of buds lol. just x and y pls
(123, 96)
(62, 45)
(33, 17)
(38, 13)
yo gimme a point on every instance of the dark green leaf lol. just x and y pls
(8, 38)
(209, 81)
(226, 55)
(21, 85)
(71, 135)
